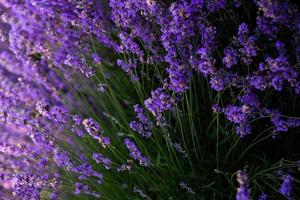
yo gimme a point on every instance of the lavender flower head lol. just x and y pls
(135, 153)
(99, 158)
(287, 186)
(158, 103)
(143, 126)
(243, 191)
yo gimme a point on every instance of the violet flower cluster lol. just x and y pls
(179, 25)
(135, 153)
(243, 191)
(49, 42)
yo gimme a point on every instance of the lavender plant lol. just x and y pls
(149, 99)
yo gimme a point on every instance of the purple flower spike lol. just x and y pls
(135, 153)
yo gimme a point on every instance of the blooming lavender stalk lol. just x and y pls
(135, 153)
(243, 191)
(99, 158)
(286, 187)
(143, 126)
(158, 103)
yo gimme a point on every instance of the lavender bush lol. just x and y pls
(149, 99)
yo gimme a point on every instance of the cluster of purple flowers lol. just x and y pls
(243, 191)
(179, 25)
(158, 103)
(286, 187)
(182, 22)
(143, 126)
(135, 153)
(50, 41)
(33, 121)
(84, 189)
(25, 166)
(99, 158)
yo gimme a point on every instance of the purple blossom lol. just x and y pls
(143, 126)
(85, 171)
(263, 196)
(230, 57)
(140, 114)
(235, 114)
(180, 149)
(128, 68)
(186, 187)
(179, 76)
(243, 191)
(243, 129)
(250, 99)
(248, 47)
(99, 158)
(51, 41)
(287, 186)
(140, 192)
(203, 62)
(101, 87)
(140, 128)
(125, 166)
(92, 128)
(216, 108)
(135, 153)
(158, 103)
(96, 58)
(274, 11)
(84, 189)
(62, 159)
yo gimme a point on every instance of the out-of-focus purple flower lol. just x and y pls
(99, 158)
(92, 128)
(186, 187)
(101, 87)
(287, 186)
(96, 58)
(275, 11)
(125, 166)
(216, 108)
(263, 196)
(243, 191)
(140, 192)
(84, 189)
(250, 99)
(259, 82)
(143, 126)
(62, 159)
(243, 129)
(85, 171)
(140, 114)
(135, 153)
(77, 126)
(128, 68)
(180, 149)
